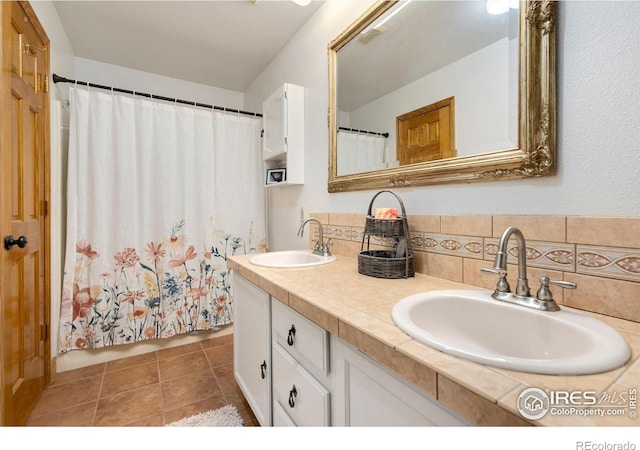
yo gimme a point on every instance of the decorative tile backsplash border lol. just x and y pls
(448, 244)
(621, 263)
(545, 255)
(600, 250)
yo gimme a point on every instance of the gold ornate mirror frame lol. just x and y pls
(536, 155)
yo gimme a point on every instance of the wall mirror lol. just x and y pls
(432, 92)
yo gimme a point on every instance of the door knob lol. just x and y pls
(9, 242)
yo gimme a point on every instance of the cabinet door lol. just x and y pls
(252, 346)
(366, 394)
(274, 110)
(283, 133)
(280, 417)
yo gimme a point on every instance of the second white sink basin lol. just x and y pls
(472, 325)
(290, 259)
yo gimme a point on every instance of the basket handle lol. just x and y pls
(404, 214)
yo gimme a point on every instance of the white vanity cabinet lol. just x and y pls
(300, 356)
(283, 134)
(252, 346)
(367, 394)
(294, 373)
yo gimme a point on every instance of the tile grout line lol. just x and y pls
(162, 409)
(215, 376)
(95, 408)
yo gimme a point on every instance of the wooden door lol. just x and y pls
(24, 164)
(426, 134)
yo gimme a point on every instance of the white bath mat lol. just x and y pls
(227, 416)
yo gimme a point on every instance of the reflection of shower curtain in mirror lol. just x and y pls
(158, 196)
(359, 152)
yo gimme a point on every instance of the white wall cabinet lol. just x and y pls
(294, 373)
(252, 346)
(283, 134)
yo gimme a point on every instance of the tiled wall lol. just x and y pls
(600, 254)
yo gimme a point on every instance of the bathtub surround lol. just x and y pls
(600, 254)
(111, 75)
(152, 194)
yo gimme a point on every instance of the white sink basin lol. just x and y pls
(472, 325)
(290, 258)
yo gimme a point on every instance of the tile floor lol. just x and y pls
(147, 390)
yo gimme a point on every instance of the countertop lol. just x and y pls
(357, 309)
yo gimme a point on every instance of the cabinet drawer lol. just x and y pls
(280, 417)
(300, 395)
(306, 341)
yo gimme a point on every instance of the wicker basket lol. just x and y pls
(384, 227)
(385, 263)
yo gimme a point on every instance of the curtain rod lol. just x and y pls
(59, 79)
(386, 135)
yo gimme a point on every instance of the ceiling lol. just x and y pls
(217, 43)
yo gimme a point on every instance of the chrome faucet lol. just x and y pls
(543, 300)
(321, 248)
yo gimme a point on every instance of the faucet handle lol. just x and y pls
(503, 284)
(544, 293)
(325, 250)
(494, 271)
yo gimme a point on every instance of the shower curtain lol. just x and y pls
(359, 152)
(158, 196)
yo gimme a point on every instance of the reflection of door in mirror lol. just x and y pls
(427, 134)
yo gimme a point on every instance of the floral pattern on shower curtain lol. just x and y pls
(158, 197)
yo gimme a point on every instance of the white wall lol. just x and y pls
(151, 83)
(482, 101)
(598, 126)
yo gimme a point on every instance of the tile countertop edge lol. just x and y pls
(488, 394)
